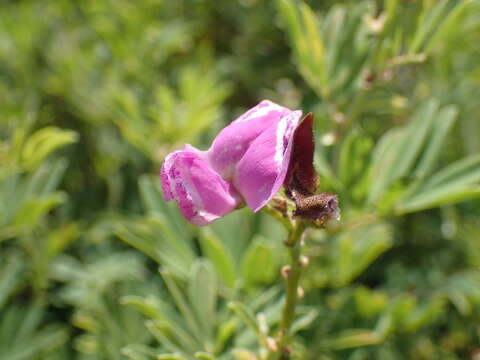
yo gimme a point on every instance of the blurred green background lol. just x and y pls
(94, 94)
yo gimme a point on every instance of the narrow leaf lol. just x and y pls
(219, 255)
(245, 315)
(203, 295)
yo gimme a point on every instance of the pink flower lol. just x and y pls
(247, 163)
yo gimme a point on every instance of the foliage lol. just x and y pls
(96, 265)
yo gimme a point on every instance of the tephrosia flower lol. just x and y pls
(266, 148)
(247, 163)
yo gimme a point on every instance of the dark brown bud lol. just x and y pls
(301, 175)
(318, 207)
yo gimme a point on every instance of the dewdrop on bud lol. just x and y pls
(285, 271)
(328, 139)
(339, 117)
(303, 261)
(302, 240)
(300, 292)
(271, 344)
(376, 25)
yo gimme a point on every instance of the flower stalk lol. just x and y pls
(292, 279)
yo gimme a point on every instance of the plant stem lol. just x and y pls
(291, 283)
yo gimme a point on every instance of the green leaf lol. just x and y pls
(170, 357)
(324, 169)
(383, 161)
(353, 338)
(182, 304)
(355, 250)
(290, 16)
(414, 138)
(204, 356)
(31, 321)
(33, 210)
(245, 315)
(10, 276)
(264, 298)
(399, 150)
(369, 302)
(307, 43)
(139, 352)
(9, 198)
(429, 21)
(151, 196)
(462, 289)
(459, 181)
(225, 331)
(243, 354)
(259, 264)
(46, 178)
(437, 197)
(134, 237)
(219, 255)
(43, 142)
(316, 48)
(444, 121)
(175, 335)
(347, 46)
(153, 201)
(463, 172)
(149, 306)
(354, 162)
(154, 237)
(23, 335)
(304, 321)
(202, 292)
(454, 20)
(236, 241)
(59, 239)
(425, 314)
(163, 338)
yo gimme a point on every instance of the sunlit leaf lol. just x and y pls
(44, 141)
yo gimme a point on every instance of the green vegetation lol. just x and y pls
(95, 265)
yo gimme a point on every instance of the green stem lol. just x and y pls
(277, 215)
(291, 283)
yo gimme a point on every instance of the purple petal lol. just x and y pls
(202, 195)
(168, 194)
(233, 141)
(262, 170)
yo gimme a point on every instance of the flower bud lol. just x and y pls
(285, 271)
(303, 261)
(300, 292)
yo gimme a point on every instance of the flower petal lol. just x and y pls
(168, 194)
(262, 170)
(301, 175)
(202, 195)
(233, 141)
